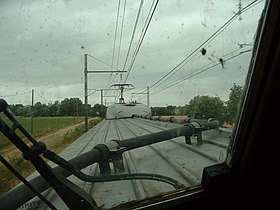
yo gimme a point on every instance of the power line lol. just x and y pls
(102, 61)
(114, 45)
(144, 30)
(230, 53)
(183, 62)
(120, 43)
(123, 15)
(207, 41)
(203, 69)
(200, 70)
(116, 31)
(133, 32)
(16, 94)
(42, 96)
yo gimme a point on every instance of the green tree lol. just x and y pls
(207, 107)
(235, 96)
(71, 107)
(54, 109)
(170, 110)
(162, 111)
(37, 109)
(98, 110)
(20, 110)
(66, 107)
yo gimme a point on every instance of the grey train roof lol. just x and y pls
(123, 110)
(173, 158)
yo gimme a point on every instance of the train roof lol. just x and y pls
(127, 110)
(175, 158)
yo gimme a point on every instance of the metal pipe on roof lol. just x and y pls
(149, 139)
(187, 130)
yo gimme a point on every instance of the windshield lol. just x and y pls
(77, 74)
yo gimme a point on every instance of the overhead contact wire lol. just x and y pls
(146, 26)
(214, 35)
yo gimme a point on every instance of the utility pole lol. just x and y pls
(148, 96)
(86, 71)
(86, 94)
(32, 109)
(101, 100)
(74, 114)
(147, 93)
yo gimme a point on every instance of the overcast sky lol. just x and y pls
(43, 45)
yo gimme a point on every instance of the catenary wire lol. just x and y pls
(214, 35)
(16, 94)
(122, 26)
(41, 96)
(133, 33)
(116, 32)
(142, 36)
(102, 62)
(199, 71)
(119, 47)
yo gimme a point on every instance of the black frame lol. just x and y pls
(248, 179)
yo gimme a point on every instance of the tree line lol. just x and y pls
(198, 107)
(207, 107)
(66, 107)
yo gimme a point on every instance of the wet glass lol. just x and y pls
(173, 62)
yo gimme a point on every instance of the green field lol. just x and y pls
(41, 126)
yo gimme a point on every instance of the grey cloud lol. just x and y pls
(45, 43)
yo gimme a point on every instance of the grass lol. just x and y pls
(41, 126)
(56, 144)
(7, 179)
